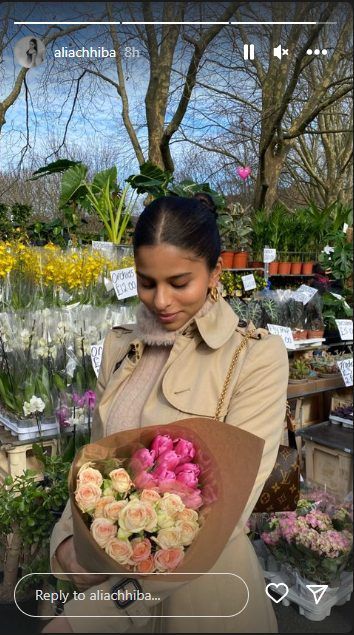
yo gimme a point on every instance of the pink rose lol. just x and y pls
(192, 500)
(141, 549)
(161, 443)
(168, 559)
(141, 460)
(144, 480)
(114, 508)
(168, 458)
(188, 474)
(90, 475)
(146, 566)
(163, 473)
(184, 449)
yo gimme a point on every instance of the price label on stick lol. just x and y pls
(103, 246)
(96, 356)
(249, 282)
(124, 282)
(269, 255)
(284, 332)
(346, 368)
(345, 328)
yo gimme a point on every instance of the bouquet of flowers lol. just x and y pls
(313, 542)
(161, 498)
(136, 516)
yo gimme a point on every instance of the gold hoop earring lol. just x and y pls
(214, 293)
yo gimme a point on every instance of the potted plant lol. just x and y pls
(296, 319)
(235, 230)
(316, 329)
(260, 236)
(299, 371)
(276, 232)
(296, 224)
(102, 196)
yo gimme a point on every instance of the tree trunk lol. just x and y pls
(11, 565)
(269, 171)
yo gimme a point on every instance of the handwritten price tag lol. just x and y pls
(269, 255)
(96, 357)
(102, 245)
(249, 282)
(346, 368)
(345, 328)
(284, 332)
(124, 282)
(304, 293)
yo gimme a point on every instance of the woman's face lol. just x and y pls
(173, 283)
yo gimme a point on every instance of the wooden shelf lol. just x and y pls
(290, 275)
(244, 269)
(315, 386)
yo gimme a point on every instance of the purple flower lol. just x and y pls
(90, 399)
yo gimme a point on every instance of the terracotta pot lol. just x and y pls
(307, 268)
(315, 333)
(296, 268)
(240, 260)
(227, 259)
(273, 268)
(300, 335)
(284, 268)
(256, 264)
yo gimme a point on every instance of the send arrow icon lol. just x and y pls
(317, 591)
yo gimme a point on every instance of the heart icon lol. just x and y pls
(244, 172)
(275, 587)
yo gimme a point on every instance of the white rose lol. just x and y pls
(168, 538)
(188, 530)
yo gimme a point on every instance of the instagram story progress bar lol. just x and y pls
(248, 52)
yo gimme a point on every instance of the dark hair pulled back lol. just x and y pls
(187, 223)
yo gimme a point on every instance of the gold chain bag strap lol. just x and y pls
(282, 489)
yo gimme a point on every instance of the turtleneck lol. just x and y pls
(128, 402)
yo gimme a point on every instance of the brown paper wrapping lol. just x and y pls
(229, 459)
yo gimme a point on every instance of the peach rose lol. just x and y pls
(168, 538)
(138, 516)
(188, 531)
(146, 566)
(187, 514)
(87, 496)
(150, 496)
(114, 508)
(121, 481)
(102, 530)
(120, 550)
(90, 475)
(100, 506)
(141, 549)
(168, 559)
(170, 504)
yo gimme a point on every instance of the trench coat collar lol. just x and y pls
(218, 325)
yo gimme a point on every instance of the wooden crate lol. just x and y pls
(329, 468)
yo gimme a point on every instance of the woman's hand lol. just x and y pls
(66, 557)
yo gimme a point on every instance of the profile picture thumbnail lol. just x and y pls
(29, 51)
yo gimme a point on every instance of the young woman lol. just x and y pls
(169, 366)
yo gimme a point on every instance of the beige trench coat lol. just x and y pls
(190, 384)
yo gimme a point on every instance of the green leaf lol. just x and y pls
(72, 185)
(53, 168)
(151, 180)
(100, 179)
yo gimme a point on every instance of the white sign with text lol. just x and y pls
(346, 368)
(304, 293)
(249, 282)
(124, 282)
(269, 255)
(102, 245)
(345, 328)
(284, 332)
(96, 357)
